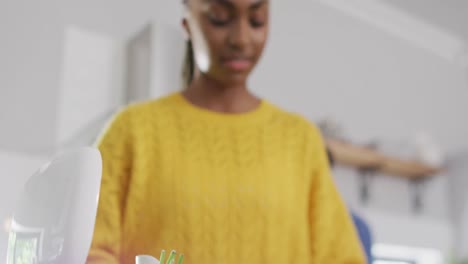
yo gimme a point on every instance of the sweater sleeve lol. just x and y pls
(115, 148)
(333, 235)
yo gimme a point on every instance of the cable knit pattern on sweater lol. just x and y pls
(220, 188)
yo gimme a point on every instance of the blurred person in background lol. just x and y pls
(215, 172)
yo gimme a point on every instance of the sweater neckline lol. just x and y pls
(257, 115)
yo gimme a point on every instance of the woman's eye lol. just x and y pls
(219, 16)
(257, 23)
(258, 19)
(218, 22)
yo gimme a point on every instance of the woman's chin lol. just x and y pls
(235, 77)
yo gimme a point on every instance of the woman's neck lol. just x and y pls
(211, 95)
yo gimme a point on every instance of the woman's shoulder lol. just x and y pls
(297, 121)
(149, 107)
(137, 115)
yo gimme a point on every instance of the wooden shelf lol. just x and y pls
(366, 158)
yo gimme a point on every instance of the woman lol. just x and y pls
(215, 172)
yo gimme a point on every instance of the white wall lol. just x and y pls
(462, 235)
(154, 61)
(453, 15)
(92, 82)
(29, 73)
(32, 56)
(458, 171)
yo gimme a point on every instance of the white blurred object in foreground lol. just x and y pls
(54, 219)
(143, 259)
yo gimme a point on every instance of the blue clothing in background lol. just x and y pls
(365, 236)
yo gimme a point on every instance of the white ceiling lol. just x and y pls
(451, 15)
(439, 30)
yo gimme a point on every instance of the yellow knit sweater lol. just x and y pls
(220, 188)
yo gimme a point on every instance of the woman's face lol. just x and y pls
(228, 36)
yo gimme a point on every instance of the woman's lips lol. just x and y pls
(238, 64)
